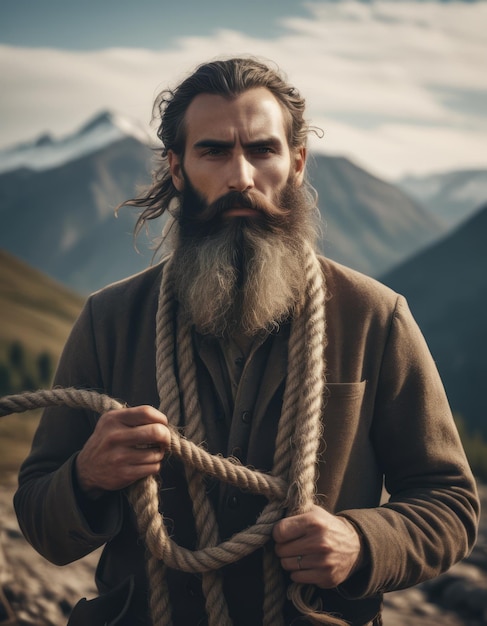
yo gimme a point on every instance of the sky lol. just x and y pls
(399, 87)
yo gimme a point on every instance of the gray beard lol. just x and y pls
(242, 279)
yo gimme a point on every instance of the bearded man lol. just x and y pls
(257, 349)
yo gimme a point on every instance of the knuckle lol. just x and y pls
(109, 417)
(144, 413)
(146, 408)
(151, 414)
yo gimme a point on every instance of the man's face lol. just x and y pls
(236, 145)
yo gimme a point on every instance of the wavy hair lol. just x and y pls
(227, 78)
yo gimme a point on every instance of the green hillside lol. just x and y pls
(34, 309)
(36, 315)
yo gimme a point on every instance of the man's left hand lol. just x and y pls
(317, 548)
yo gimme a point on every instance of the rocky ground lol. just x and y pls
(35, 593)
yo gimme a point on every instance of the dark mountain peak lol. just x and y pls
(44, 140)
(104, 129)
(103, 118)
(109, 124)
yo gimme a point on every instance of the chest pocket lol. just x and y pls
(348, 469)
(343, 417)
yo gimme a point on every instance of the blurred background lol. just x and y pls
(399, 91)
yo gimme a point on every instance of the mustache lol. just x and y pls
(270, 212)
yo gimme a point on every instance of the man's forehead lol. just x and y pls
(254, 112)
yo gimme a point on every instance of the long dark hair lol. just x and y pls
(227, 78)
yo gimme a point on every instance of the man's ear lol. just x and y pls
(299, 165)
(176, 169)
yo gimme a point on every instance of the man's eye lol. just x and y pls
(213, 152)
(263, 150)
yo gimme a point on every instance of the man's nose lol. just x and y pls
(241, 174)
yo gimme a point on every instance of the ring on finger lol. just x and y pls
(299, 559)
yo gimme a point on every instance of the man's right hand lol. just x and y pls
(126, 445)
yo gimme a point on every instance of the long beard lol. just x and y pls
(242, 275)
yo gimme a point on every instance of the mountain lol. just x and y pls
(446, 288)
(370, 225)
(57, 200)
(451, 196)
(46, 152)
(61, 219)
(34, 309)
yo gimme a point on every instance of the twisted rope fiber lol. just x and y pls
(206, 524)
(294, 460)
(204, 514)
(308, 340)
(211, 465)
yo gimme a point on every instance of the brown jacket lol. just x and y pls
(386, 418)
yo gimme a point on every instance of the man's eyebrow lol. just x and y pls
(264, 141)
(217, 143)
(213, 143)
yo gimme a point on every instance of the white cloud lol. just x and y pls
(394, 150)
(375, 75)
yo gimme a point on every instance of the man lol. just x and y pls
(244, 285)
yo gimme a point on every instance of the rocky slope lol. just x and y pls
(35, 593)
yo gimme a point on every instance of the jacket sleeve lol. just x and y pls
(430, 521)
(52, 512)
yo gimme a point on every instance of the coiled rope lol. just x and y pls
(289, 487)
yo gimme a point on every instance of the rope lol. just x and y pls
(290, 485)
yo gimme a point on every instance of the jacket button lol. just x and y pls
(246, 417)
(237, 452)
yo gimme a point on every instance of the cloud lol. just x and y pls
(394, 84)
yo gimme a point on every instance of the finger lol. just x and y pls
(137, 416)
(306, 569)
(307, 525)
(289, 529)
(142, 437)
(147, 456)
(294, 563)
(131, 473)
(306, 544)
(301, 562)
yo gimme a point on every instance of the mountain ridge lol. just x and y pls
(370, 223)
(452, 196)
(61, 221)
(60, 218)
(52, 218)
(47, 152)
(446, 289)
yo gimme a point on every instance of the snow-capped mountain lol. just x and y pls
(47, 152)
(57, 208)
